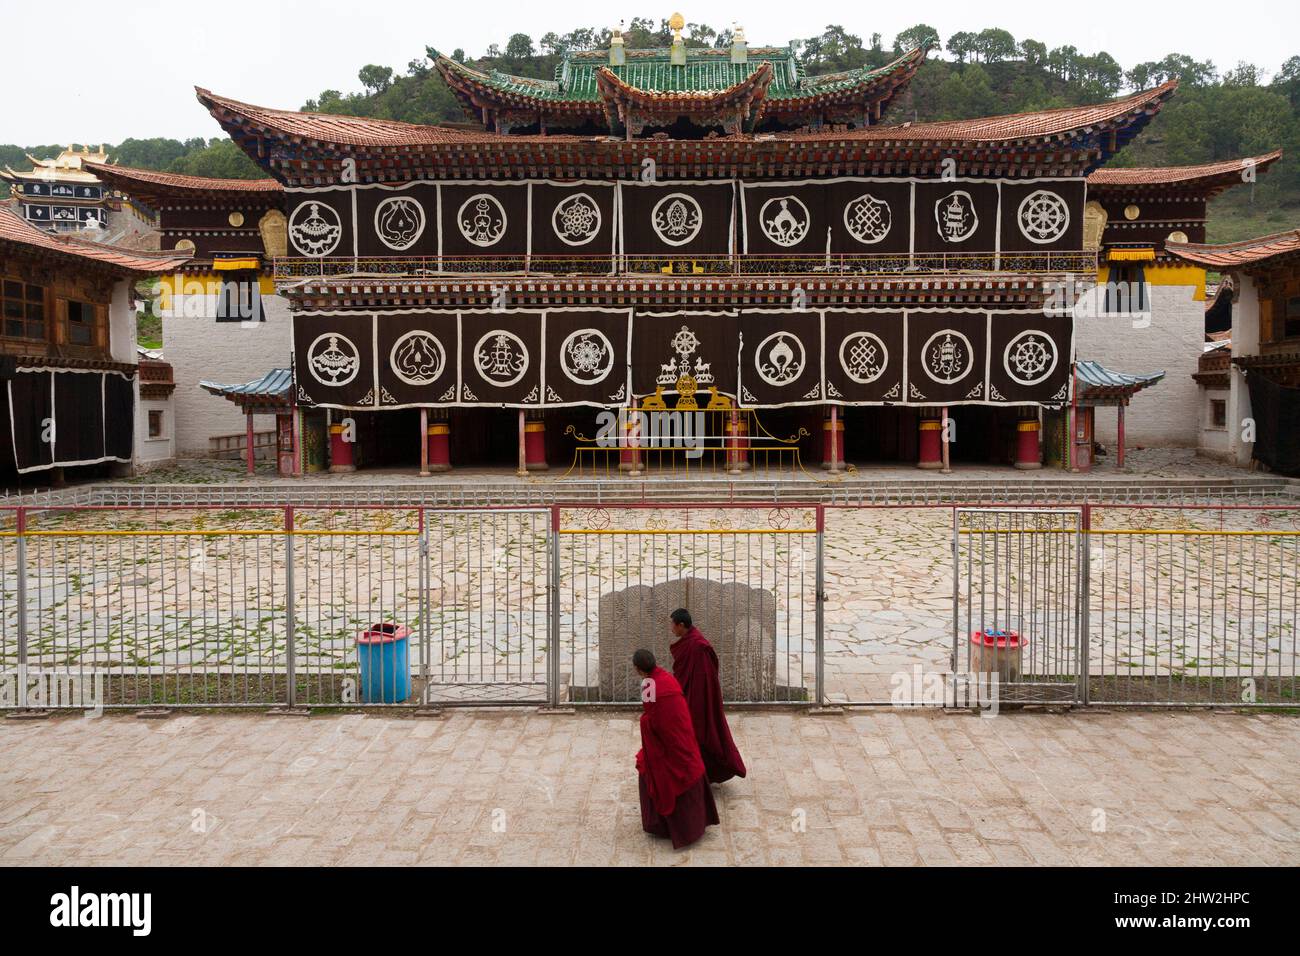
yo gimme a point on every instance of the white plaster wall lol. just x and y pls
(1168, 413)
(202, 349)
(121, 323)
(150, 452)
(1214, 439)
(1245, 341)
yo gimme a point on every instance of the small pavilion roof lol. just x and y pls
(1246, 254)
(272, 389)
(1097, 381)
(147, 184)
(1209, 178)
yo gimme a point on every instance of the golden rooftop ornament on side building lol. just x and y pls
(617, 51)
(739, 48)
(678, 53)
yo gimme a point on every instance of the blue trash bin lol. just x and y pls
(384, 659)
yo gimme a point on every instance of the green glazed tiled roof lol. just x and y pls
(706, 70)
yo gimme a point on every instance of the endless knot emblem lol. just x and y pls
(576, 219)
(333, 360)
(1030, 357)
(778, 363)
(685, 343)
(955, 216)
(399, 222)
(785, 220)
(868, 219)
(1043, 216)
(863, 357)
(315, 229)
(947, 356)
(417, 358)
(586, 356)
(501, 357)
(482, 219)
(676, 219)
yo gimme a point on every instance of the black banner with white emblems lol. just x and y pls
(865, 360)
(780, 358)
(1029, 358)
(417, 358)
(398, 222)
(334, 360)
(677, 219)
(1041, 216)
(587, 356)
(609, 357)
(685, 354)
(955, 217)
(483, 220)
(573, 222)
(784, 219)
(947, 354)
(320, 223)
(501, 358)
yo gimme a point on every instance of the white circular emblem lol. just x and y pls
(1043, 216)
(315, 229)
(785, 220)
(676, 219)
(1030, 357)
(399, 222)
(576, 219)
(955, 216)
(868, 219)
(503, 360)
(482, 219)
(776, 361)
(332, 359)
(417, 358)
(947, 356)
(586, 356)
(863, 357)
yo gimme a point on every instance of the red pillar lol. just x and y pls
(248, 443)
(930, 441)
(439, 446)
(1028, 455)
(629, 458)
(424, 443)
(737, 432)
(341, 458)
(535, 446)
(833, 441)
(1119, 459)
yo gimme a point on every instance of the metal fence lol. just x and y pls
(252, 604)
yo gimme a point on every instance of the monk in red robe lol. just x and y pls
(695, 665)
(676, 801)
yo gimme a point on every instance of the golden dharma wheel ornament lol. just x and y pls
(236, 219)
(1131, 212)
(1176, 236)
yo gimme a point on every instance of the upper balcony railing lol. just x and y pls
(856, 265)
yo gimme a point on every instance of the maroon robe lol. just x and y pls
(676, 801)
(695, 665)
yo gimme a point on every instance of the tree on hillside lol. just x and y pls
(994, 45)
(961, 45)
(921, 35)
(375, 79)
(1033, 52)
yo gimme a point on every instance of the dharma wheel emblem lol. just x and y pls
(868, 219)
(501, 358)
(586, 356)
(676, 219)
(315, 229)
(863, 357)
(777, 362)
(685, 343)
(418, 358)
(785, 220)
(1030, 357)
(399, 222)
(947, 356)
(333, 360)
(955, 216)
(576, 219)
(482, 219)
(1043, 216)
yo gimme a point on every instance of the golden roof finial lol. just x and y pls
(675, 23)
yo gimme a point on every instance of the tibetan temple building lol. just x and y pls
(61, 194)
(683, 230)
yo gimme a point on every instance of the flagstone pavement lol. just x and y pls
(500, 787)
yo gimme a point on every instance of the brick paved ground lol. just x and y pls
(891, 787)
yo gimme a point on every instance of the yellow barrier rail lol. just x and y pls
(207, 532)
(661, 531)
(1106, 531)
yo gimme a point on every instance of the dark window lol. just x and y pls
(156, 423)
(24, 310)
(81, 323)
(1291, 318)
(1219, 412)
(1126, 290)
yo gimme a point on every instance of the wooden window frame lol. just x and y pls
(25, 301)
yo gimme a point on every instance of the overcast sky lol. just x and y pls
(131, 70)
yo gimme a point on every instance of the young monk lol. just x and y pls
(695, 665)
(676, 801)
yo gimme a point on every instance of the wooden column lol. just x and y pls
(1119, 458)
(248, 443)
(522, 472)
(424, 443)
(943, 439)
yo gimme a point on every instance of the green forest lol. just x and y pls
(1218, 112)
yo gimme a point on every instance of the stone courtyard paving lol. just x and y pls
(872, 787)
